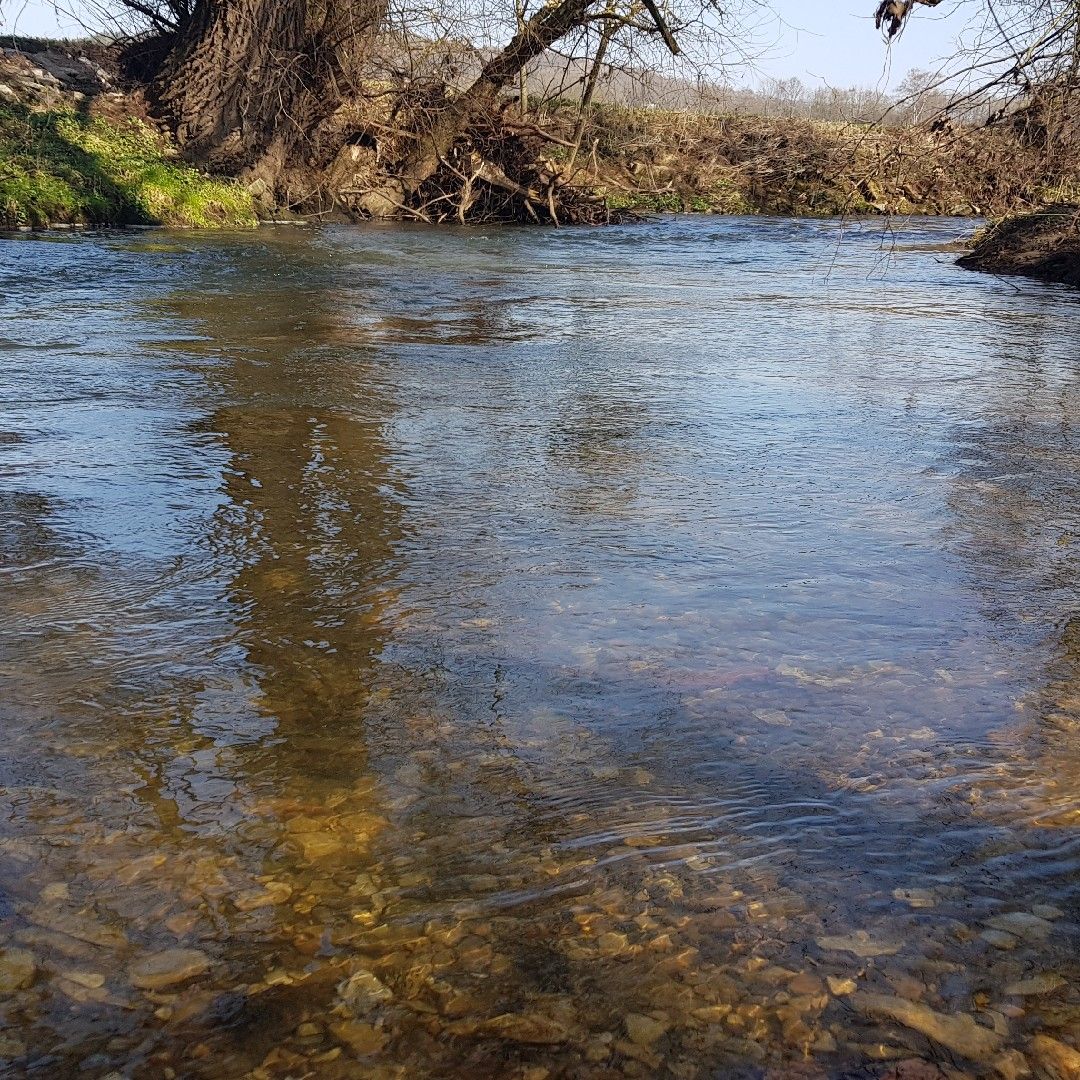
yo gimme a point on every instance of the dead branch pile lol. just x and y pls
(501, 169)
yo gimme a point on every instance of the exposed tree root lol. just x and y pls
(496, 171)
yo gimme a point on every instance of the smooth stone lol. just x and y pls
(805, 983)
(773, 717)
(275, 892)
(361, 1038)
(168, 968)
(92, 980)
(612, 943)
(961, 1034)
(363, 992)
(79, 926)
(363, 827)
(1022, 924)
(644, 1030)
(1058, 1060)
(711, 1014)
(860, 944)
(1011, 1065)
(1046, 983)
(1047, 911)
(78, 992)
(916, 898)
(130, 872)
(518, 1027)
(17, 970)
(318, 845)
(999, 939)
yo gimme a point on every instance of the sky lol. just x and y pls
(821, 43)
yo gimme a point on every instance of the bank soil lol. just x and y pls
(1043, 245)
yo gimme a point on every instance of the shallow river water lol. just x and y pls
(633, 652)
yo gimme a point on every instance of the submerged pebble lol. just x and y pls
(1045, 983)
(959, 1033)
(1055, 1058)
(1022, 924)
(17, 970)
(860, 944)
(168, 968)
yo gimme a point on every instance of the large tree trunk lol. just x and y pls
(250, 81)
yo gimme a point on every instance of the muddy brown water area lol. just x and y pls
(644, 652)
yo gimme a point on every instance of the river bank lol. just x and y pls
(78, 146)
(74, 150)
(1043, 245)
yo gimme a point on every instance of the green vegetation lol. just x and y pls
(64, 167)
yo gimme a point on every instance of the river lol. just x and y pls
(628, 652)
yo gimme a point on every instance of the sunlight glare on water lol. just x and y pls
(644, 651)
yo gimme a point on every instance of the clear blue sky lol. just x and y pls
(836, 43)
(820, 42)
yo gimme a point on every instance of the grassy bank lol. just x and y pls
(652, 160)
(61, 166)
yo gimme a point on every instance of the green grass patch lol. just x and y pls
(63, 167)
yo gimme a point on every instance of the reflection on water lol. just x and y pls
(645, 652)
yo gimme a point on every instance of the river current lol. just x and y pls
(634, 652)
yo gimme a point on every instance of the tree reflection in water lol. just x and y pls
(488, 676)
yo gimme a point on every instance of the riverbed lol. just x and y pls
(627, 652)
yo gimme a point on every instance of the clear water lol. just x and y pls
(639, 651)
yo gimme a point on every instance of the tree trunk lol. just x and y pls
(250, 81)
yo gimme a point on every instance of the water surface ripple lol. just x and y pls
(629, 652)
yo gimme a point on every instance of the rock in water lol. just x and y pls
(1022, 924)
(957, 1033)
(860, 944)
(361, 1038)
(1055, 1058)
(518, 1027)
(1046, 983)
(17, 970)
(916, 898)
(1011, 1065)
(1048, 911)
(914, 1069)
(274, 892)
(999, 939)
(168, 968)
(644, 1030)
(363, 992)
